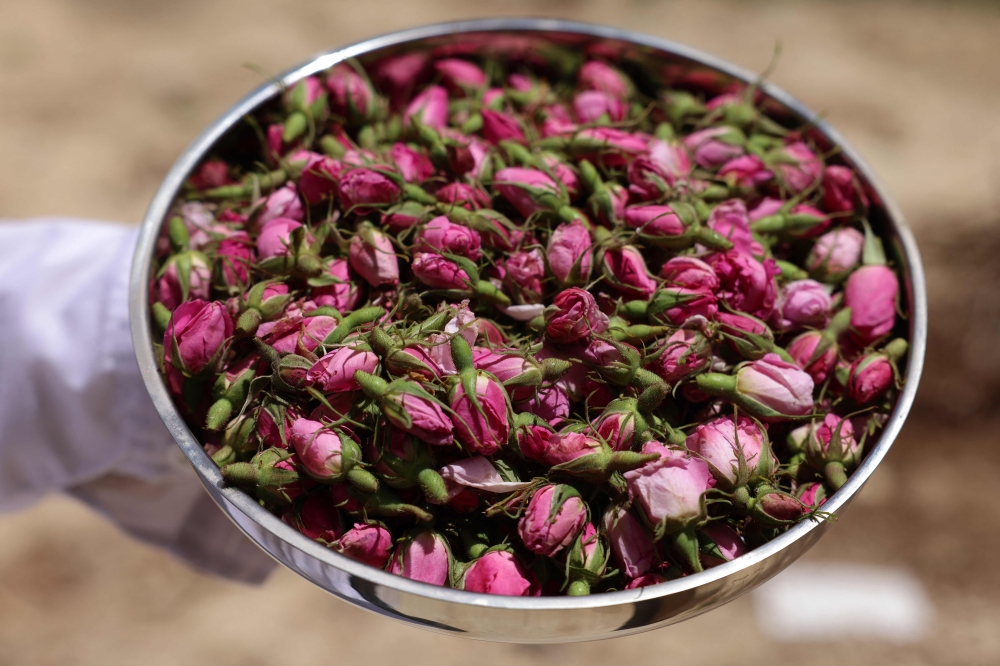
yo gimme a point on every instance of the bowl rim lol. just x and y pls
(209, 472)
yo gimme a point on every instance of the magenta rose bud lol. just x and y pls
(283, 202)
(196, 338)
(835, 254)
(427, 421)
(317, 518)
(188, 269)
(720, 443)
(573, 316)
(362, 189)
(439, 273)
(485, 429)
(726, 545)
(275, 238)
(321, 451)
(424, 556)
(713, 147)
(747, 171)
(746, 284)
(528, 190)
(687, 352)
(645, 581)
(320, 176)
(870, 377)
(818, 364)
(234, 256)
(591, 106)
(871, 293)
(842, 191)
(351, 96)
(343, 295)
(690, 273)
(467, 196)
(440, 235)
(499, 127)
(731, 221)
(569, 252)
(413, 165)
(778, 386)
(805, 303)
(334, 372)
(460, 74)
(631, 545)
(429, 107)
(525, 272)
(671, 490)
(373, 257)
(626, 270)
(499, 572)
(368, 544)
(595, 75)
(554, 517)
(799, 167)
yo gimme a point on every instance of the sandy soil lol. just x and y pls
(100, 96)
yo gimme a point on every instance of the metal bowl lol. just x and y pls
(516, 619)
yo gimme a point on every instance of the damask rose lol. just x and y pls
(574, 315)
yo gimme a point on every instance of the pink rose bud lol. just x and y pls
(835, 254)
(626, 270)
(414, 165)
(805, 303)
(334, 372)
(467, 196)
(631, 545)
(405, 215)
(552, 404)
(591, 106)
(725, 545)
(460, 74)
(211, 174)
(317, 518)
(573, 316)
(746, 284)
(569, 252)
(499, 572)
(608, 204)
(325, 454)
(722, 441)
(320, 176)
(196, 338)
(440, 235)
(798, 167)
(373, 257)
(275, 238)
(185, 277)
(291, 336)
(671, 490)
(713, 147)
(351, 95)
(368, 544)
(439, 273)
(528, 190)
(284, 203)
(873, 374)
(235, 256)
(814, 354)
(618, 429)
(812, 495)
(595, 75)
(424, 556)
(731, 221)
(343, 295)
(420, 417)
(842, 190)
(525, 272)
(430, 107)
(555, 448)
(678, 304)
(554, 517)
(687, 352)
(871, 293)
(690, 273)
(483, 429)
(360, 189)
(770, 389)
(499, 127)
(615, 147)
(747, 171)
(649, 180)
(398, 74)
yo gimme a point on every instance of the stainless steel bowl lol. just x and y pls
(526, 620)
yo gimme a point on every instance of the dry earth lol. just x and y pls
(99, 97)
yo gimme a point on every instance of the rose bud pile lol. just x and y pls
(521, 333)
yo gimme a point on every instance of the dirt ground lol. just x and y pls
(98, 97)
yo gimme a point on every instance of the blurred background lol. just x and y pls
(97, 99)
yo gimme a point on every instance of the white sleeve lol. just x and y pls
(74, 413)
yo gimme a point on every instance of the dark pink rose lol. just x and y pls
(368, 544)
(361, 189)
(499, 572)
(344, 295)
(414, 165)
(573, 316)
(334, 372)
(554, 517)
(569, 252)
(373, 256)
(425, 556)
(484, 430)
(871, 293)
(197, 333)
(430, 107)
(440, 235)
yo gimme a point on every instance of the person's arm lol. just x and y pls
(74, 413)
